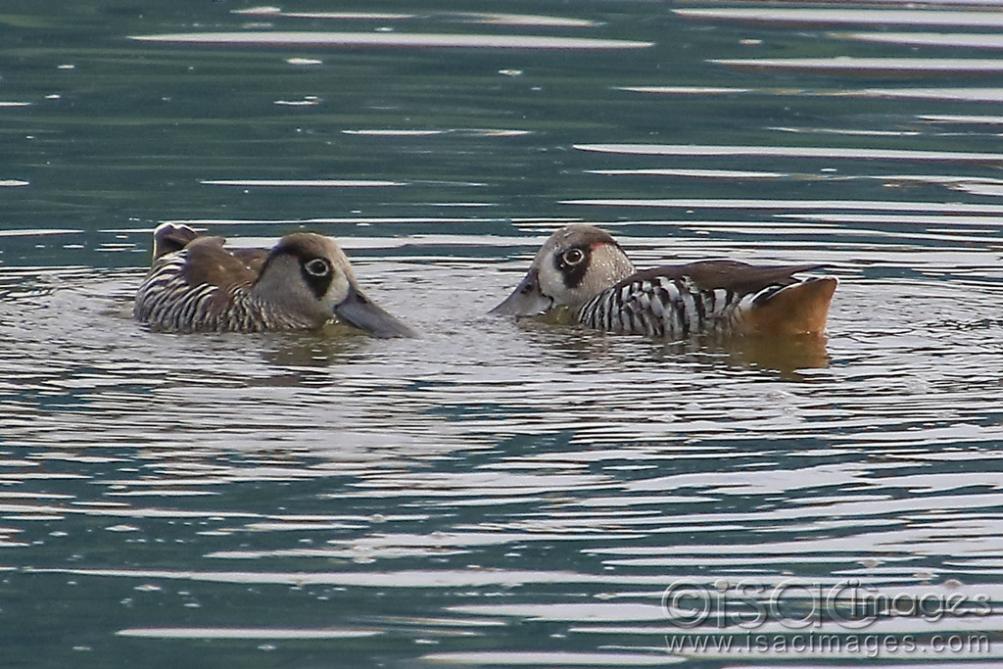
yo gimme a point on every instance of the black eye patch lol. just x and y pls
(573, 263)
(317, 274)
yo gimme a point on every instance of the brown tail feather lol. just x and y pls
(171, 237)
(799, 309)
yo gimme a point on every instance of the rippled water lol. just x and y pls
(495, 493)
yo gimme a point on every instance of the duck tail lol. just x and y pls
(170, 238)
(801, 308)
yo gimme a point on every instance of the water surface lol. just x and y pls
(494, 493)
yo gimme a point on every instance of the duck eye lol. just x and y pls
(317, 267)
(573, 257)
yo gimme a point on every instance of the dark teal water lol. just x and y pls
(496, 494)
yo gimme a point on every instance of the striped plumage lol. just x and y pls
(196, 285)
(167, 301)
(662, 307)
(583, 269)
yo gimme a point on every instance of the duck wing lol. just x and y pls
(208, 263)
(731, 275)
(254, 259)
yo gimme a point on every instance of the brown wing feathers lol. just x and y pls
(730, 275)
(209, 263)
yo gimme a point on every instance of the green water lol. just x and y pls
(497, 494)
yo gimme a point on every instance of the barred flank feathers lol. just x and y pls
(167, 302)
(664, 307)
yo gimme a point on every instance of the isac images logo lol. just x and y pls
(842, 619)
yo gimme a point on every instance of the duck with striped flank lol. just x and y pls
(581, 268)
(197, 285)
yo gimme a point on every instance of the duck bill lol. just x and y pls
(526, 299)
(361, 312)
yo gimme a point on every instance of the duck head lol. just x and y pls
(310, 275)
(574, 265)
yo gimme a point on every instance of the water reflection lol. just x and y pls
(486, 18)
(869, 66)
(956, 40)
(345, 39)
(785, 354)
(793, 151)
(301, 183)
(848, 16)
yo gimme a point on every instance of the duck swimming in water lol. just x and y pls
(305, 280)
(583, 269)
